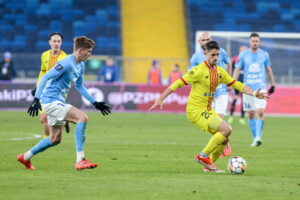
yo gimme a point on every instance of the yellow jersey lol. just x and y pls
(204, 80)
(48, 61)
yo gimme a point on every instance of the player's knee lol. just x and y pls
(225, 129)
(84, 118)
(43, 119)
(261, 115)
(55, 140)
(251, 114)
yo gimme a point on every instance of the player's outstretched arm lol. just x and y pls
(160, 101)
(104, 109)
(34, 107)
(258, 94)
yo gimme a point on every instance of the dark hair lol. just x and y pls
(83, 42)
(55, 33)
(211, 45)
(254, 35)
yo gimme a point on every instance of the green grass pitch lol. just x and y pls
(148, 156)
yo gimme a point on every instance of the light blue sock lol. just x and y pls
(252, 126)
(259, 128)
(42, 145)
(80, 136)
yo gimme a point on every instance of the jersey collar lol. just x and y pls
(208, 66)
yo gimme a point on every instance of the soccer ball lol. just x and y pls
(237, 165)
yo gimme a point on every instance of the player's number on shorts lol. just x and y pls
(206, 114)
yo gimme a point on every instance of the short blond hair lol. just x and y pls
(83, 42)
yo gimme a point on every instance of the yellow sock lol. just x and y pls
(213, 143)
(217, 152)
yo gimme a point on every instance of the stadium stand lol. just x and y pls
(243, 15)
(25, 25)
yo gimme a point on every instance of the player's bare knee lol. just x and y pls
(225, 129)
(251, 114)
(43, 119)
(55, 140)
(261, 115)
(84, 118)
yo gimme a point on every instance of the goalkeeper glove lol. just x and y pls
(34, 108)
(272, 89)
(33, 92)
(105, 110)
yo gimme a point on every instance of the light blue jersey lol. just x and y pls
(254, 66)
(59, 80)
(223, 60)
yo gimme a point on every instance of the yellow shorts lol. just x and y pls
(208, 121)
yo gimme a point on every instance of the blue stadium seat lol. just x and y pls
(43, 35)
(79, 28)
(7, 31)
(43, 10)
(41, 46)
(9, 18)
(5, 45)
(78, 14)
(56, 26)
(19, 46)
(67, 46)
(33, 20)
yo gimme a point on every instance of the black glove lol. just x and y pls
(105, 110)
(33, 92)
(34, 108)
(272, 89)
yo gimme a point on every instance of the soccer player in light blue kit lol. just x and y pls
(50, 95)
(255, 62)
(220, 102)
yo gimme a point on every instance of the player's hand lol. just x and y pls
(157, 103)
(33, 92)
(261, 95)
(271, 90)
(34, 108)
(105, 109)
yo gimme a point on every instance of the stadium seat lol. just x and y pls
(35, 19)
(43, 35)
(42, 46)
(5, 45)
(43, 10)
(55, 26)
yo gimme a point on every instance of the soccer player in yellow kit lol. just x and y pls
(48, 59)
(204, 79)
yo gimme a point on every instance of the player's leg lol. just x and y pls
(232, 106)
(209, 121)
(44, 122)
(221, 103)
(260, 109)
(80, 118)
(56, 111)
(249, 107)
(214, 148)
(242, 117)
(45, 143)
(223, 128)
